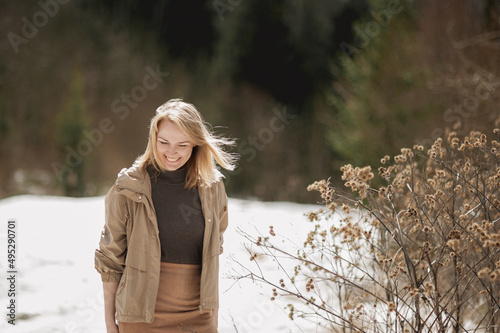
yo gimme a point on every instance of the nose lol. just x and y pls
(170, 151)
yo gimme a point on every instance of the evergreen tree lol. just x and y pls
(70, 124)
(377, 98)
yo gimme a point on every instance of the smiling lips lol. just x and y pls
(172, 159)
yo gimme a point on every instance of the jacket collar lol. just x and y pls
(135, 181)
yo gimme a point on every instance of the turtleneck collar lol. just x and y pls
(171, 177)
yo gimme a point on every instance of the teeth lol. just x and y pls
(172, 159)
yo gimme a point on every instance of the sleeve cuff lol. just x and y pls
(111, 277)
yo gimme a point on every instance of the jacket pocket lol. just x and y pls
(137, 258)
(133, 283)
(135, 264)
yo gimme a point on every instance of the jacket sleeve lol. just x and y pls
(110, 257)
(224, 220)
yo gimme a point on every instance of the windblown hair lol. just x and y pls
(207, 153)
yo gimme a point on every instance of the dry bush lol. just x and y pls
(419, 254)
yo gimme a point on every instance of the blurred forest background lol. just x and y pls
(305, 86)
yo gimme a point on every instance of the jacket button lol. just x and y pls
(140, 197)
(209, 220)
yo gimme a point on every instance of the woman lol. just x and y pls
(158, 253)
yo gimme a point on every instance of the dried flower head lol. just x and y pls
(429, 286)
(332, 206)
(483, 272)
(414, 292)
(313, 216)
(391, 306)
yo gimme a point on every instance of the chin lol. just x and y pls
(173, 167)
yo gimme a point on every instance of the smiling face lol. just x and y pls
(173, 146)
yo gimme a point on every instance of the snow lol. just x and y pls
(58, 289)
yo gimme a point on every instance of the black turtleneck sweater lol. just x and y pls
(180, 217)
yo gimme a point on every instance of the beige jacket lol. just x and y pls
(129, 249)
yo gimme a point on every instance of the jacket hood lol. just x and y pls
(133, 179)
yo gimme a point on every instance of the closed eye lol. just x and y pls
(181, 145)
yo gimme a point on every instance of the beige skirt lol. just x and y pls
(177, 304)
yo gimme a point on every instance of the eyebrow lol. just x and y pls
(159, 137)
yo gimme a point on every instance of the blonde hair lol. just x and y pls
(207, 151)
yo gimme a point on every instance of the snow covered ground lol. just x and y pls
(58, 289)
